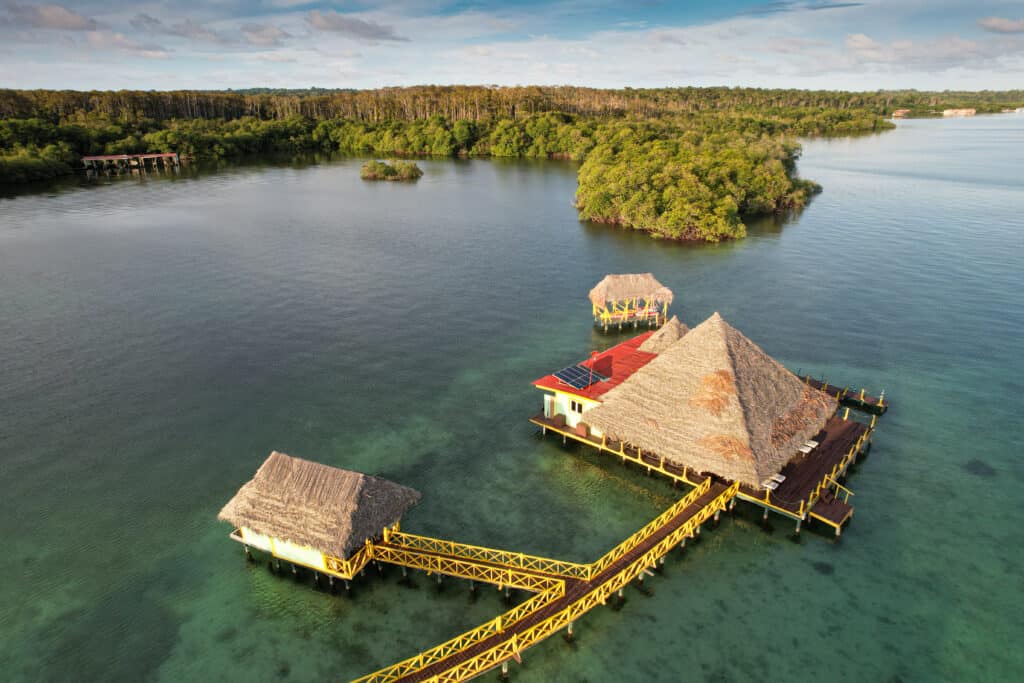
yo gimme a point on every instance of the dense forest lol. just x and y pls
(683, 163)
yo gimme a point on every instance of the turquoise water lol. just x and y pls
(160, 337)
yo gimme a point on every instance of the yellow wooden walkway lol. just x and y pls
(564, 590)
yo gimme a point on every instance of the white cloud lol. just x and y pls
(353, 27)
(939, 53)
(111, 40)
(1002, 25)
(47, 16)
(183, 29)
(867, 45)
(263, 35)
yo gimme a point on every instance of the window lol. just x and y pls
(576, 406)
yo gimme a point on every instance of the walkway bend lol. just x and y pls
(565, 590)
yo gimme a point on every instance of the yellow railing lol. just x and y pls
(639, 537)
(514, 645)
(550, 591)
(532, 563)
(837, 469)
(465, 569)
(463, 641)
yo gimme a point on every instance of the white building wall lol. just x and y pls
(256, 540)
(562, 403)
(295, 553)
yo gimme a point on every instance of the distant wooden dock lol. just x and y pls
(131, 163)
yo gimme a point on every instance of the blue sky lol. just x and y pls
(849, 44)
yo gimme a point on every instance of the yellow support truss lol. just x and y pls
(505, 558)
(629, 310)
(464, 569)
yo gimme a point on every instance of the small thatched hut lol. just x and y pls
(635, 298)
(715, 402)
(313, 514)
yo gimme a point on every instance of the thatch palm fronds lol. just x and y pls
(629, 287)
(716, 402)
(669, 333)
(326, 508)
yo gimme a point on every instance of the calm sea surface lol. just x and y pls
(159, 338)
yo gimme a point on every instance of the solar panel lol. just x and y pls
(579, 376)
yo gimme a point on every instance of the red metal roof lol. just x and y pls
(617, 363)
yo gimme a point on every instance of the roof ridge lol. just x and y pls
(725, 329)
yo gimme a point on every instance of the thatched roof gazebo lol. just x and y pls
(628, 298)
(310, 505)
(715, 402)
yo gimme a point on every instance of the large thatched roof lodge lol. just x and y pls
(710, 402)
(630, 298)
(314, 515)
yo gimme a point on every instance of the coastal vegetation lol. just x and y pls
(382, 170)
(680, 163)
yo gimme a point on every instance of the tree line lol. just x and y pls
(475, 103)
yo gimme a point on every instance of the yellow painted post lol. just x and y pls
(862, 395)
(846, 415)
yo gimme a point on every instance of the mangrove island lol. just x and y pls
(382, 170)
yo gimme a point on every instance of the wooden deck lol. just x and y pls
(796, 497)
(806, 472)
(575, 591)
(858, 400)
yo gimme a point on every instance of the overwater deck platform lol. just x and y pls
(851, 398)
(797, 497)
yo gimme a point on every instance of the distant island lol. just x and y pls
(382, 170)
(677, 163)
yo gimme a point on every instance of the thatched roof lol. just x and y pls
(669, 333)
(715, 402)
(326, 508)
(634, 286)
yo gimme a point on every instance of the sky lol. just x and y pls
(830, 44)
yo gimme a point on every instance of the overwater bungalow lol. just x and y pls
(315, 516)
(709, 401)
(631, 298)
